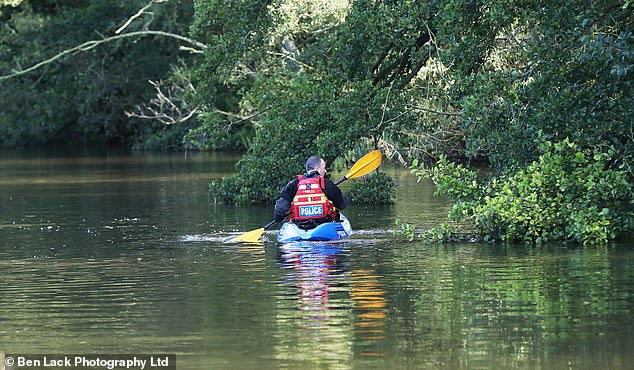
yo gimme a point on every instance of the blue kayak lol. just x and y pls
(328, 231)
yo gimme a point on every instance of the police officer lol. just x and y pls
(315, 169)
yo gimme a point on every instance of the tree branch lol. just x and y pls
(231, 123)
(289, 57)
(169, 106)
(381, 58)
(138, 14)
(386, 71)
(88, 45)
(435, 111)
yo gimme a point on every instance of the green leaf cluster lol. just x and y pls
(441, 234)
(562, 68)
(404, 229)
(377, 188)
(344, 81)
(567, 193)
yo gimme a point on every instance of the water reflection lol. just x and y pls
(333, 313)
(370, 310)
(512, 307)
(119, 266)
(313, 315)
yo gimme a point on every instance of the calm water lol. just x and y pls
(123, 253)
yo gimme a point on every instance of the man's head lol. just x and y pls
(316, 163)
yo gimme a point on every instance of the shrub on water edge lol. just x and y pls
(377, 188)
(566, 194)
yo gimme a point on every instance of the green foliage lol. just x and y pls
(383, 41)
(160, 137)
(83, 96)
(405, 229)
(250, 43)
(442, 234)
(235, 33)
(377, 188)
(348, 158)
(288, 79)
(566, 194)
(439, 76)
(320, 98)
(310, 116)
(561, 68)
(8, 3)
(525, 74)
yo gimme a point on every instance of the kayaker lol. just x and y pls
(311, 199)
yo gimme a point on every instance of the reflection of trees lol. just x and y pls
(486, 305)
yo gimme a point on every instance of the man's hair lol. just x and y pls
(313, 162)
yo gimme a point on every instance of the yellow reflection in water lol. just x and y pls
(370, 305)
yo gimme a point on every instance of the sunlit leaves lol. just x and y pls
(566, 194)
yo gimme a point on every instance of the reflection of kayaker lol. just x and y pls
(319, 211)
(310, 198)
(308, 254)
(312, 306)
(316, 267)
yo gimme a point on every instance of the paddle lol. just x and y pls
(366, 164)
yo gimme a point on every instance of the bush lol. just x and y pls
(566, 194)
(375, 189)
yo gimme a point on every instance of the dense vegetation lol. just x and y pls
(494, 80)
(567, 193)
(83, 96)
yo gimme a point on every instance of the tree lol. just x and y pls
(324, 84)
(560, 68)
(546, 95)
(84, 97)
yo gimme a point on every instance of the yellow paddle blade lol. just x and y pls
(367, 163)
(252, 236)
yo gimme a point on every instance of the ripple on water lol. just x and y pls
(78, 298)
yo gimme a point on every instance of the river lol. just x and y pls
(111, 252)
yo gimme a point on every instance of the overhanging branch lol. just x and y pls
(138, 14)
(88, 45)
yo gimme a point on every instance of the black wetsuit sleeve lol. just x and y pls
(283, 203)
(336, 196)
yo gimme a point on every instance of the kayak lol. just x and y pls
(289, 232)
(327, 231)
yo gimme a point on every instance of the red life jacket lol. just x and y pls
(310, 202)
